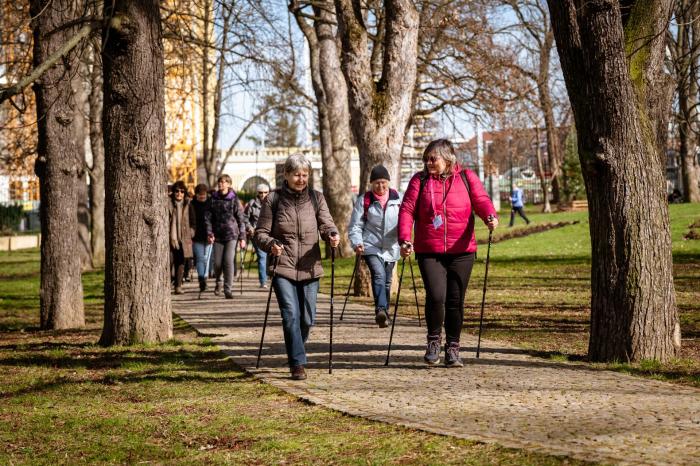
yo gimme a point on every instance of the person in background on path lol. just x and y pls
(288, 228)
(517, 205)
(373, 234)
(226, 223)
(181, 231)
(203, 238)
(252, 212)
(440, 203)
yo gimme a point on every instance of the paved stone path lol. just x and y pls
(505, 397)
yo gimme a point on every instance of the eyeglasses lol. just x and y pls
(180, 191)
(431, 159)
(263, 192)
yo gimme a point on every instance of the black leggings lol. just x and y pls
(446, 277)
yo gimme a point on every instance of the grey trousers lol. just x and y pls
(225, 260)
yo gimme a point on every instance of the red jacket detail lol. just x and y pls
(456, 234)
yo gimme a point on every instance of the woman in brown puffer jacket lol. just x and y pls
(181, 231)
(288, 228)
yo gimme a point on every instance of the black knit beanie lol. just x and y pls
(379, 173)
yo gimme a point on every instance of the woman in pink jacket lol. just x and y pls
(440, 203)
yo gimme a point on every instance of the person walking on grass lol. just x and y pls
(439, 205)
(181, 231)
(288, 228)
(252, 212)
(226, 223)
(202, 241)
(373, 235)
(517, 205)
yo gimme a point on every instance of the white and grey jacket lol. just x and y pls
(378, 232)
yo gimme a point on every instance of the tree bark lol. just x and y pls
(58, 167)
(544, 184)
(332, 109)
(545, 100)
(618, 53)
(379, 111)
(337, 185)
(80, 84)
(137, 282)
(97, 171)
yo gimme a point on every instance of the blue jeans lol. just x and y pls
(200, 251)
(381, 280)
(297, 302)
(262, 265)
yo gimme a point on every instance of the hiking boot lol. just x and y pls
(432, 350)
(202, 284)
(452, 358)
(228, 295)
(178, 290)
(382, 318)
(298, 373)
(217, 289)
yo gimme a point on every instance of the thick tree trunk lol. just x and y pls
(58, 167)
(337, 185)
(97, 172)
(619, 55)
(332, 109)
(379, 111)
(137, 282)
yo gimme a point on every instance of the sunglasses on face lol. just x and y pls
(180, 191)
(431, 159)
(262, 192)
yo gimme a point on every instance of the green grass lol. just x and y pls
(538, 295)
(65, 400)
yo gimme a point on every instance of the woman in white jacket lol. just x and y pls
(373, 234)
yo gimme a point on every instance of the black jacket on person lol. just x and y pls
(225, 218)
(201, 231)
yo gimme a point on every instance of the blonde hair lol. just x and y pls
(225, 178)
(444, 149)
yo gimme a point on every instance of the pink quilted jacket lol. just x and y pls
(456, 233)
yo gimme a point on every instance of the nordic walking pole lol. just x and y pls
(352, 278)
(396, 307)
(330, 346)
(415, 290)
(483, 295)
(275, 261)
(207, 256)
(250, 261)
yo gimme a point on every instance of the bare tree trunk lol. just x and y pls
(81, 134)
(619, 52)
(336, 163)
(379, 111)
(137, 284)
(209, 166)
(332, 108)
(688, 44)
(545, 97)
(58, 167)
(97, 171)
(546, 207)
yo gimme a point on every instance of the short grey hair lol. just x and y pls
(296, 162)
(443, 148)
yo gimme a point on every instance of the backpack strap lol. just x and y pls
(424, 180)
(367, 201)
(275, 201)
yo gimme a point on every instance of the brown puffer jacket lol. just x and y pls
(296, 228)
(187, 227)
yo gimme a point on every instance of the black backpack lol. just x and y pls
(275, 200)
(424, 180)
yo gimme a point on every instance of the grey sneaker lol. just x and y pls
(452, 358)
(432, 350)
(382, 318)
(217, 289)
